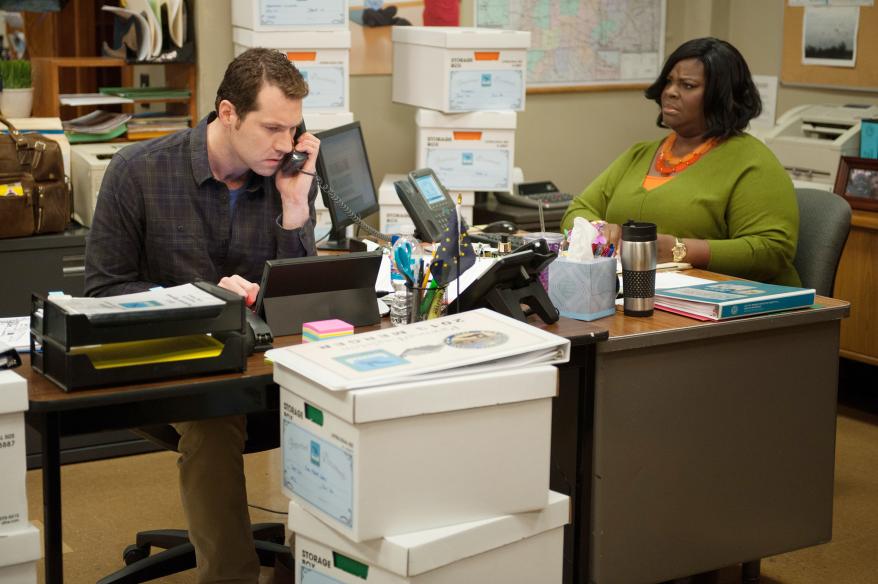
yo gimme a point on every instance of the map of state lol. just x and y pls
(584, 42)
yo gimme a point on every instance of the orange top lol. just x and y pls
(651, 182)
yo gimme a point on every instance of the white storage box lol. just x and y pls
(468, 152)
(13, 495)
(19, 552)
(455, 69)
(526, 548)
(89, 163)
(417, 455)
(323, 57)
(289, 15)
(395, 220)
(319, 121)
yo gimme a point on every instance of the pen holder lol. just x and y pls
(554, 241)
(583, 290)
(426, 303)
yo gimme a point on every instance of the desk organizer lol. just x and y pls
(57, 335)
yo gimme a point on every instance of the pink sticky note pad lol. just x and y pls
(328, 327)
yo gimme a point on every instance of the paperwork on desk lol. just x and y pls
(471, 342)
(177, 297)
(15, 332)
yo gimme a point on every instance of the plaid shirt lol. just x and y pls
(162, 219)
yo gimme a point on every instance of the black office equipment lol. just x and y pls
(512, 281)
(493, 239)
(427, 203)
(527, 218)
(345, 179)
(298, 290)
(57, 337)
(535, 194)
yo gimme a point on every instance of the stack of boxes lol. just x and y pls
(441, 481)
(20, 545)
(468, 84)
(314, 35)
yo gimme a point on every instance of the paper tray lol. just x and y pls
(73, 330)
(76, 371)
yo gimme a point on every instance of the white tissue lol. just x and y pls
(581, 238)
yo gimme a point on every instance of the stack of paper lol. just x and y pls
(140, 27)
(98, 126)
(152, 125)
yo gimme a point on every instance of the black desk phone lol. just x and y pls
(535, 194)
(427, 203)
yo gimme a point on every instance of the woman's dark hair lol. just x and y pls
(730, 96)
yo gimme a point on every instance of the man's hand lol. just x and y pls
(294, 188)
(240, 286)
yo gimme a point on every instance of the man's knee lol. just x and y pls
(215, 434)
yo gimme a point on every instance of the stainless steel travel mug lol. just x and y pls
(638, 267)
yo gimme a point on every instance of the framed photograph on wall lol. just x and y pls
(857, 182)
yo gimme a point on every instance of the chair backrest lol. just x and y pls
(824, 224)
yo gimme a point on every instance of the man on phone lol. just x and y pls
(211, 203)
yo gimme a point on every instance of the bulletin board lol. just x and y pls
(863, 77)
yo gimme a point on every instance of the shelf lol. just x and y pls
(46, 82)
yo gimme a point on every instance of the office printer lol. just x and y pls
(809, 140)
(88, 164)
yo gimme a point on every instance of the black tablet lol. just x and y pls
(298, 290)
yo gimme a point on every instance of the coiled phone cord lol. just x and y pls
(346, 209)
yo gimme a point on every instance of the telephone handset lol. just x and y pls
(293, 161)
(427, 203)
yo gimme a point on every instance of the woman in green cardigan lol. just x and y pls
(720, 198)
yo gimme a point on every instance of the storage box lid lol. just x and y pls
(401, 400)
(319, 121)
(387, 192)
(298, 40)
(13, 392)
(455, 37)
(20, 546)
(415, 553)
(487, 120)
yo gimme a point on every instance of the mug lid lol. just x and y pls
(638, 231)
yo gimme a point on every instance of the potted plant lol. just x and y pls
(18, 95)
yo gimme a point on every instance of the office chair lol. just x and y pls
(263, 433)
(824, 224)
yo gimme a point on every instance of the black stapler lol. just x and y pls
(259, 336)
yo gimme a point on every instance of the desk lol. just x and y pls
(713, 443)
(55, 413)
(673, 473)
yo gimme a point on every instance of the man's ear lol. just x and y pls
(227, 113)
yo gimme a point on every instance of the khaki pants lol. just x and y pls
(214, 494)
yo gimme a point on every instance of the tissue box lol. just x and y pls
(583, 290)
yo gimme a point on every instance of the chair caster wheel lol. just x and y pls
(133, 554)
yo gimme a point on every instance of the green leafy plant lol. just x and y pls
(15, 74)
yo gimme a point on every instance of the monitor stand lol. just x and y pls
(339, 241)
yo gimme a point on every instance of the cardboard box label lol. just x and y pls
(477, 169)
(473, 90)
(297, 12)
(326, 86)
(319, 471)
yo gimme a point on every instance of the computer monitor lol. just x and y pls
(344, 167)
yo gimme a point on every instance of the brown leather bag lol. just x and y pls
(34, 193)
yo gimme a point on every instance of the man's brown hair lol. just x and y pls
(254, 68)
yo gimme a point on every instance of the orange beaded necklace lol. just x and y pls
(666, 165)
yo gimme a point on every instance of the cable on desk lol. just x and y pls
(266, 509)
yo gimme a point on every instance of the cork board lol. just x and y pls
(863, 77)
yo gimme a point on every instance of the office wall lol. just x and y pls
(566, 137)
